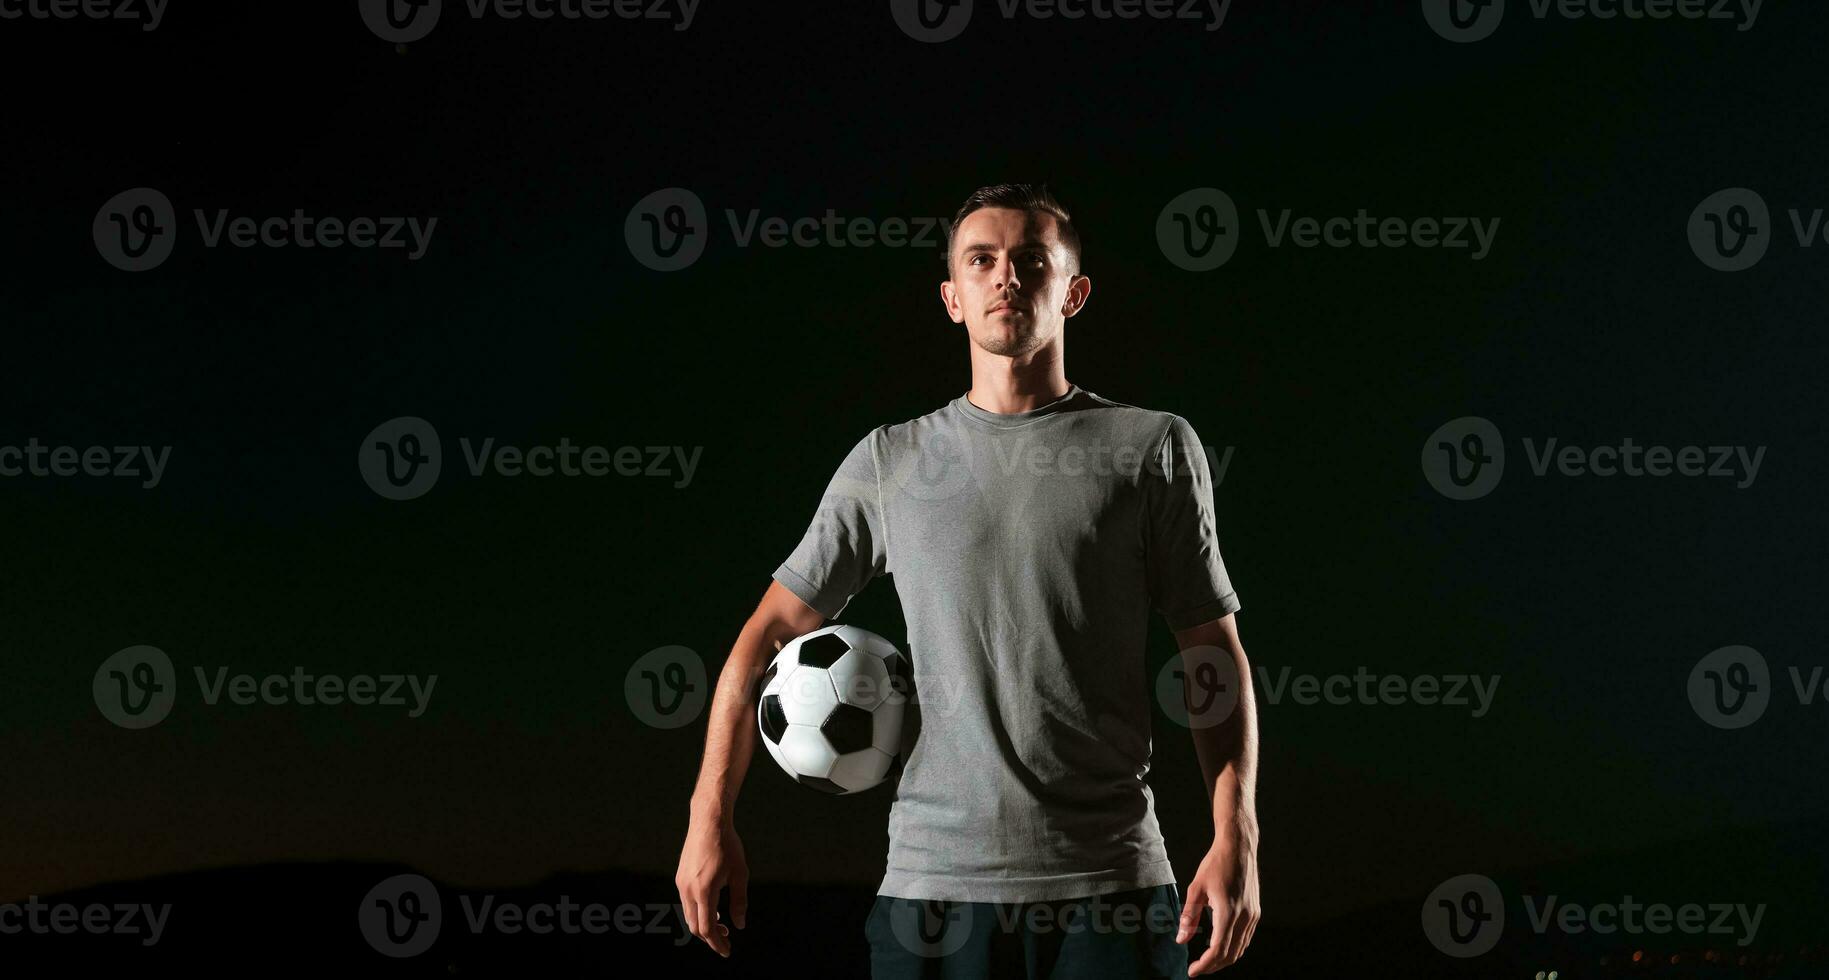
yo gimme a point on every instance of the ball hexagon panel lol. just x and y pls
(849, 729)
(772, 718)
(807, 696)
(775, 751)
(822, 651)
(860, 770)
(901, 677)
(860, 679)
(872, 643)
(886, 729)
(766, 685)
(807, 752)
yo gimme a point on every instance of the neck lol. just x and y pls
(1007, 385)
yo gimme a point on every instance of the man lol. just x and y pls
(1031, 526)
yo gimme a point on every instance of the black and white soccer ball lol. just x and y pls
(832, 707)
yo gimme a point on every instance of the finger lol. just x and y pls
(1235, 943)
(1210, 960)
(1225, 924)
(705, 915)
(1221, 939)
(1190, 913)
(1224, 931)
(697, 916)
(689, 911)
(715, 932)
(739, 899)
(1251, 933)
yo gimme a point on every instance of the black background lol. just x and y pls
(528, 320)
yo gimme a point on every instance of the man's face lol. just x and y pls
(1011, 284)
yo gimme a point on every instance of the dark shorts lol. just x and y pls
(1114, 936)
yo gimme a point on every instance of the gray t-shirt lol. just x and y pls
(1027, 550)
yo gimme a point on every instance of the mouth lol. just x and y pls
(1007, 308)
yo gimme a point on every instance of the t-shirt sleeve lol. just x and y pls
(1188, 584)
(844, 548)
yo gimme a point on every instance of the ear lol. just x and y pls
(1079, 289)
(949, 296)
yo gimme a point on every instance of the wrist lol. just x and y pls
(710, 809)
(1236, 823)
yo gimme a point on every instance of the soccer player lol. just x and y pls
(1031, 526)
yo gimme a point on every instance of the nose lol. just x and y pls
(1011, 282)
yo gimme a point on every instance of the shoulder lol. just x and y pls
(894, 437)
(1154, 425)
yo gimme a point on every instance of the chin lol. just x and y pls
(1008, 343)
(992, 336)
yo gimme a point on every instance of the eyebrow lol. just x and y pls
(988, 247)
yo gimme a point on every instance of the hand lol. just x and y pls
(712, 858)
(1226, 880)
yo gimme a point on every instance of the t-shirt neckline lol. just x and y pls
(1005, 420)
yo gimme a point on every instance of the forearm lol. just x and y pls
(1232, 790)
(1228, 761)
(1225, 737)
(730, 738)
(1228, 748)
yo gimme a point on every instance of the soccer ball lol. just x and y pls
(832, 706)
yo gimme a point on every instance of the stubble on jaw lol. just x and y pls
(1014, 343)
(1001, 349)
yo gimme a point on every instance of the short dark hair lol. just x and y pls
(1020, 197)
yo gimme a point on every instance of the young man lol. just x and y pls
(1031, 526)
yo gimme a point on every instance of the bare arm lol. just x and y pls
(730, 740)
(713, 855)
(1227, 747)
(1227, 750)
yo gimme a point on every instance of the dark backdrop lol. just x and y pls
(528, 320)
